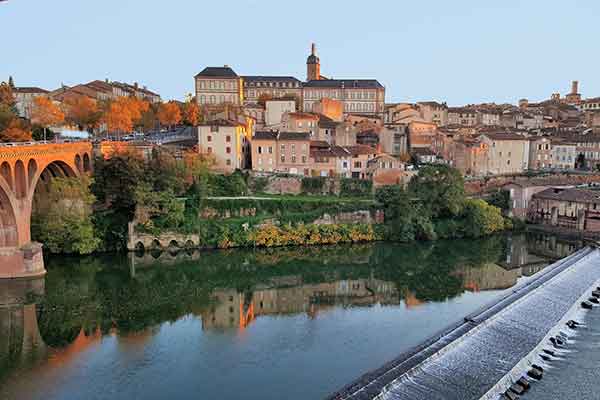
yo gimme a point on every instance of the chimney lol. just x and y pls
(314, 49)
(135, 85)
(574, 87)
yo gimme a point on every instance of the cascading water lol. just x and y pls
(490, 350)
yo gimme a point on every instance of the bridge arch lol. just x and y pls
(20, 181)
(21, 169)
(9, 235)
(32, 168)
(6, 173)
(87, 163)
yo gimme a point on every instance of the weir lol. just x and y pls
(481, 356)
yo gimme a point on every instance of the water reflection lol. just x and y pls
(48, 323)
(20, 339)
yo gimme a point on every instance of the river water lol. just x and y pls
(270, 324)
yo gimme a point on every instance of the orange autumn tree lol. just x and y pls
(117, 116)
(46, 114)
(137, 108)
(15, 132)
(6, 95)
(169, 114)
(191, 113)
(82, 111)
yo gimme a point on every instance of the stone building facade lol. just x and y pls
(227, 142)
(218, 85)
(569, 208)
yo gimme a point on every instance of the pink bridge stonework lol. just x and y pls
(22, 168)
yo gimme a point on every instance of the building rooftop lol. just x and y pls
(264, 135)
(220, 72)
(345, 83)
(303, 115)
(294, 136)
(31, 89)
(261, 78)
(361, 149)
(433, 104)
(497, 136)
(569, 194)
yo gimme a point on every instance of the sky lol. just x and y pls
(458, 51)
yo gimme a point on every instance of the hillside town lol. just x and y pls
(344, 127)
(245, 200)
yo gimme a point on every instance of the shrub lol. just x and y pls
(350, 187)
(313, 185)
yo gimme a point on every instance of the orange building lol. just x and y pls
(421, 134)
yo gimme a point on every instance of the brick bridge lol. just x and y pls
(22, 168)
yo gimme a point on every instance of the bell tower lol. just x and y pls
(313, 65)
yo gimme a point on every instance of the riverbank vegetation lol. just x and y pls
(169, 194)
(434, 206)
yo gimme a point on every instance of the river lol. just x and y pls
(293, 323)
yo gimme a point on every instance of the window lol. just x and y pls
(214, 128)
(209, 150)
(303, 159)
(209, 138)
(282, 159)
(228, 162)
(259, 149)
(357, 164)
(293, 148)
(228, 150)
(293, 158)
(283, 148)
(270, 149)
(228, 138)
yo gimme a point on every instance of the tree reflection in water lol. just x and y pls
(85, 298)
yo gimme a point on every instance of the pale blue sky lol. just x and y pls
(459, 51)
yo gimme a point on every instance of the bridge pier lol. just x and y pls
(24, 262)
(22, 168)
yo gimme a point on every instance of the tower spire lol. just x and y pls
(313, 65)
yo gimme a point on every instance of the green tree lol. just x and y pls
(62, 218)
(441, 190)
(159, 209)
(405, 216)
(115, 182)
(116, 179)
(482, 219)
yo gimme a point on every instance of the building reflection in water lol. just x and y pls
(525, 255)
(287, 295)
(363, 277)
